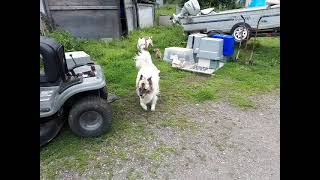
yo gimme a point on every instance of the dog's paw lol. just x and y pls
(144, 107)
(153, 108)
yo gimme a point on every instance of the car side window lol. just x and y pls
(41, 66)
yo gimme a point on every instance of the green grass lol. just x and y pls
(117, 57)
(203, 94)
(235, 82)
(69, 152)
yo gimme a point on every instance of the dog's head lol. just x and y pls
(145, 42)
(145, 86)
(148, 41)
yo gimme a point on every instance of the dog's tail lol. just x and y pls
(143, 58)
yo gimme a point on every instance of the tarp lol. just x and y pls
(257, 3)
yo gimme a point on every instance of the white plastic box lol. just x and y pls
(194, 41)
(182, 53)
(79, 57)
(211, 48)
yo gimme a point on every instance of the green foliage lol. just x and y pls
(218, 4)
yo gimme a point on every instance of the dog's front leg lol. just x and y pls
(144, 106)
(154, 102)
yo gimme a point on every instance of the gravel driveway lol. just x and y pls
(211, 140)
(232, 143)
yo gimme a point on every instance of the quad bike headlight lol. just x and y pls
(45, 95)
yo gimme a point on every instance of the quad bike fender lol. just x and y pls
(52, 105)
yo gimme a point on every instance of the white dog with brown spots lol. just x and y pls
(147, 82)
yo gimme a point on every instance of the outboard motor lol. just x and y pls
(191, 8)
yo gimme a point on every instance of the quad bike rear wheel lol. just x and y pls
(90, 117)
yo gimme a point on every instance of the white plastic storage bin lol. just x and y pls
(194, 41)
(211, 48)
(182, 53)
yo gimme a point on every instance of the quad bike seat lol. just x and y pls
(55, 68)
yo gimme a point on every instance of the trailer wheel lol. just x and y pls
(236, 32)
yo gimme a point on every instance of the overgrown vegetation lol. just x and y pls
(41, 65)
(217, 4)
(236, 81)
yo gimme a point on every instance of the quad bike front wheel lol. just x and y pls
(90, 117)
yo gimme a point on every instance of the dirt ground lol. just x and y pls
(211, 140)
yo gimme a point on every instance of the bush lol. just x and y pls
(71, 43)
(217, 4)
(65, 38)
(171, 1)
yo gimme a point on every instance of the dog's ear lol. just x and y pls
(150, 84)
(141, 76)
(150, 37)
(149, 80)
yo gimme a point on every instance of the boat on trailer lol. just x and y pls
(231, 22)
